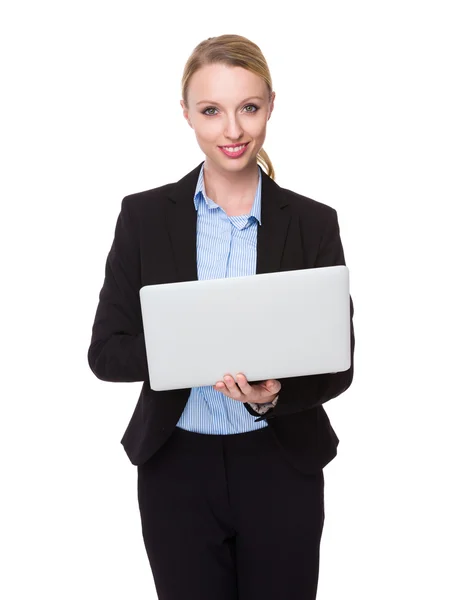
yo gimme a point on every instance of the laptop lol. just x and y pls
(267, 326)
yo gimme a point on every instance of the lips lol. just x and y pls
(234, 145)
(234, 153)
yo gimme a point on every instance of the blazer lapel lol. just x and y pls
(182, 226)
(275, 217)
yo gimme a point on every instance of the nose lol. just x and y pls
(233, 130)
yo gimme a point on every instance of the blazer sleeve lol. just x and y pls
(117, 350)
(309, 391)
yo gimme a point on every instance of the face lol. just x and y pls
(228, 106)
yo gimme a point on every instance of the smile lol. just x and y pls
(234, 152)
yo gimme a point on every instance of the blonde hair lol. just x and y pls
(236, 51)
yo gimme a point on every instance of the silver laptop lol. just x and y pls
(267, 326)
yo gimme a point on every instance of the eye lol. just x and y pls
(209, 114)
(206, 113)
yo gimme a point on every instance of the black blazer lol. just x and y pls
(155, 242)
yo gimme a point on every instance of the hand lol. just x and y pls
(241, 390)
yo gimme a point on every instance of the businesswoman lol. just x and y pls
(230, 476)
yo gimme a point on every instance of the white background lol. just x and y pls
(90, 113)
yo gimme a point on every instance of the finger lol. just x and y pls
(221, 386)
(243, 383)
(232, 387)
(273, 385)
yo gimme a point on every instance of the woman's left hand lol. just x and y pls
(241, 390)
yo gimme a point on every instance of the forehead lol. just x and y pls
(224, 83)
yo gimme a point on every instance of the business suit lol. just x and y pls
(155, 242)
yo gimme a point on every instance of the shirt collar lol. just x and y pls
(200, 194)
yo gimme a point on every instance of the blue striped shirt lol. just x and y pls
(226, 247)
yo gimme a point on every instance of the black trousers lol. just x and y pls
(228, 517)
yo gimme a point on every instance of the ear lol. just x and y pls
(271, 104)
(185, 112)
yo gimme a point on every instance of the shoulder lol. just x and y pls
(152, 199)
(156, 198)
(305, 204)
(300, 205)
(309, 211)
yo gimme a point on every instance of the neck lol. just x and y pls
(235, 190)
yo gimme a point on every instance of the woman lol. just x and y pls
(230, 477)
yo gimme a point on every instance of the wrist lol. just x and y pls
(273, 400)
(261, 408)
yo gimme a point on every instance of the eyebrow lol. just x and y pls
(245, 100)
